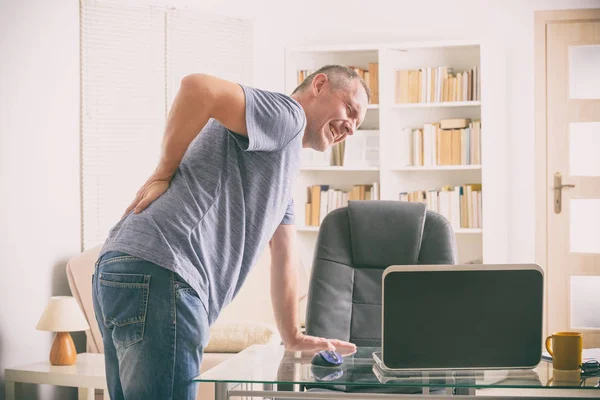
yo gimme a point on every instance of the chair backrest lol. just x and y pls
(354, 246)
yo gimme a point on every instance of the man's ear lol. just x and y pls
(318, 84)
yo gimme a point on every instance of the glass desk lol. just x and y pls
(270, 371)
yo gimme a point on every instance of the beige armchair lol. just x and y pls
(247, 320)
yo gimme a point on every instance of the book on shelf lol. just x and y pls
(449, 142)
(303, 74)
(322, 199)
(437, 85)
(359, 150)
(370, 75)
(338, 151)
(461, 205)
(373, 82)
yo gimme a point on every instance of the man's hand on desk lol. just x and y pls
(313, 344)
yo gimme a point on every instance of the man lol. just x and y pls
(222, 189)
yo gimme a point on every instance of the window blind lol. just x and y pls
(208, 43)
(132, 59)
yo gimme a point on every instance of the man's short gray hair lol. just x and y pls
(338, 75)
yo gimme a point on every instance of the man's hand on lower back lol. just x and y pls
(313, 344)
(152, 190)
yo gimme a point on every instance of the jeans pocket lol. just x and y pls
(124, 300)
(182, 286)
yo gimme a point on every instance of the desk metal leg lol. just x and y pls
(425, 388)
(221, 391)
(464, 391)
(268, 387)
(9, 390)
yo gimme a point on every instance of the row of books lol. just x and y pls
(322, 199)
(369, 75)
(303, 74)
(461, 205)
(449, 142)
(437, 84)
(358, 150)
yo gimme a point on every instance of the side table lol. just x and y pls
(86, 374)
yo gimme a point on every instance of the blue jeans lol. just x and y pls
(154, 328)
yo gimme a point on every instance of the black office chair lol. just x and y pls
(354, 246)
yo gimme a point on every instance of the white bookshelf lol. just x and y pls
(438, 168)
(303, 228)
(439, 105)
(394, 174)
(338, 169)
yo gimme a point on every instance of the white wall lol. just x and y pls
(508, 25)
(39, 172)
(521, 110)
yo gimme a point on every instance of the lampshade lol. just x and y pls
(62, 314)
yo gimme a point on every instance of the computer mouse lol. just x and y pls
(327, 358)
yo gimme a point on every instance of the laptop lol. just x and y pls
(448, 317)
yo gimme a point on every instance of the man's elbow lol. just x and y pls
(196, 85)
(193, 79)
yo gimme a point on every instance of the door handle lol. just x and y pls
(562, 186)
(558, 186)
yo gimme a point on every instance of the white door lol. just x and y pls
(572, 65)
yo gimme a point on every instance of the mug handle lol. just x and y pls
(548, 340)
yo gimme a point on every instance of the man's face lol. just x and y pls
(333, 114)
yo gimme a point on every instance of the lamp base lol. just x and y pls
(63, 350)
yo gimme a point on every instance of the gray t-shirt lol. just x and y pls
(224, 203)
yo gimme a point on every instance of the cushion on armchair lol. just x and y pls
(235, 336)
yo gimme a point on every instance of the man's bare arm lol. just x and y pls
(199, 98)
(284, 283)
(284, 296)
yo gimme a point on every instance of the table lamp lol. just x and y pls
(62, 315)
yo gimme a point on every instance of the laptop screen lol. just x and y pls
(445, 319)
